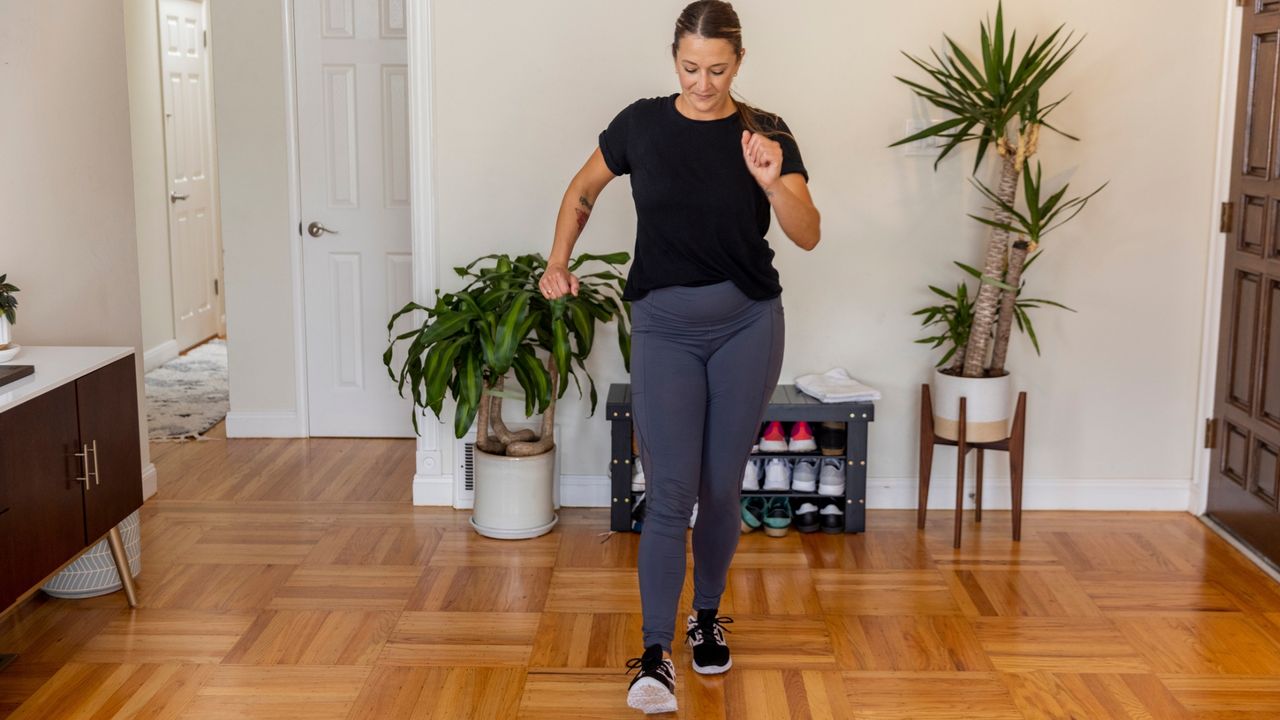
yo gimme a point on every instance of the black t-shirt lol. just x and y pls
(700, 216)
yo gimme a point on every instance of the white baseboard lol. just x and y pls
(263, 425)
(149, 485)
(159, 355)
(900, 493)
(433, 490)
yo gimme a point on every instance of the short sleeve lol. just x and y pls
(791, 160)
(614, 140)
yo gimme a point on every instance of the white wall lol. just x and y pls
(249, 96)
(521, 96)
(150, 186)
(66, 181)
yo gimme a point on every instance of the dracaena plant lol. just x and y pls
(994, 101)
(8, 303)
(498, 324)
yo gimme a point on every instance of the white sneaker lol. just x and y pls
(751, 475)
(777, 475)
(637, 478)
(694, 517)
(804, 475)
(831, 477)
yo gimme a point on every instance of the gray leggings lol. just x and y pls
(704, 363)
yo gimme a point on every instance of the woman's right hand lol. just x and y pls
(557, 281)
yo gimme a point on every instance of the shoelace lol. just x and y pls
(649, 666)
(716, 626)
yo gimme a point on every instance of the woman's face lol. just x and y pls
(706, 68)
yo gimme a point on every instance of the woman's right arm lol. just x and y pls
(575, 210)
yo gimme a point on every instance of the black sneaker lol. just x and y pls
(806, 518)
(706, 636)
(653, 689)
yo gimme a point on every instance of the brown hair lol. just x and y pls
(717, 20)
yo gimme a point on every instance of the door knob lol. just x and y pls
(175, 197)
(315, 229)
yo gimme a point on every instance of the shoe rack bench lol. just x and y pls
(787, 405)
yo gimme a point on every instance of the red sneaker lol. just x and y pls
(801, 438)
(773, 440)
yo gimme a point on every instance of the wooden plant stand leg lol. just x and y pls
(962, 449)
(926, 453)
(977, 498)
(116, 543)
(1017, 442)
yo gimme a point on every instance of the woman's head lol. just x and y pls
(707, 49)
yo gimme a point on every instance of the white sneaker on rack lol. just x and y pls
(637, 478)
(751, 475)
(777, 475)
(831, 477)
(804, 475)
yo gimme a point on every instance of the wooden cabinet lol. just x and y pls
(70, 471)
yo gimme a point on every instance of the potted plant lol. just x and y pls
(996, 102)
(498, 325)
(8, 311)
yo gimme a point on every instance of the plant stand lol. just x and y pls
(787, 404)
(1014, 445)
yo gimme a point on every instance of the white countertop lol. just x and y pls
(54, 366)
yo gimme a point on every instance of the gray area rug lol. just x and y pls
(188, 395)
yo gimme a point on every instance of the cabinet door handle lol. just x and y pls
(84, 456)
(96, 476)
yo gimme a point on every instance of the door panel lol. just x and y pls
(353, 137)
(39, 440)
(189, 155)
(108, 405)
(1245, 462)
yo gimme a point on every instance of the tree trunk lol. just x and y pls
(505, 436)
(547, 439)
(1004, 326)
(984, 312)
(957, 361)
(484, 440)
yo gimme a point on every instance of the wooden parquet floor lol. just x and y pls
(293, 579)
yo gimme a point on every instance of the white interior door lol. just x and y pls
(193, 230)
(353, 156)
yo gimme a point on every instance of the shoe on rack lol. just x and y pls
(801, 438)
(806, 518)
(751, 475)
(804, 475)
(830, 436)
(831, 477)
(752, 513)
(637, 513)
(637, 477)
(777, 517)
(832, 518)
(694, 517)
(704, 633)
(653, 689)
(772, 440)
(777, 475)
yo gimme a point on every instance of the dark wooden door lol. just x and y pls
(108, 401)
(1246, 457)
(39, 469)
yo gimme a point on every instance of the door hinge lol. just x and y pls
(215, 286)
(205, 38)
(1210, 433)
(1228, 212)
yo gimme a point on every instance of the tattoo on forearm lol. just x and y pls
(583, 211)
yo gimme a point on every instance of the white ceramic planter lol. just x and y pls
(513, 495)
(987, 406)
(94, 573)
(6, 335)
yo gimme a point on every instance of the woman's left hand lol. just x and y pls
(763, 157)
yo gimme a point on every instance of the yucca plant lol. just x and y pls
(500, 324)
(995, 101)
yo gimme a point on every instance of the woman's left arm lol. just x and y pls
(788, 194)
(800, 220)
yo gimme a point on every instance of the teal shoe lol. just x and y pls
(752, 513)
(777, 517)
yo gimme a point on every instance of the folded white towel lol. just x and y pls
(834, 386)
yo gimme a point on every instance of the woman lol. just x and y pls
(707, 317)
